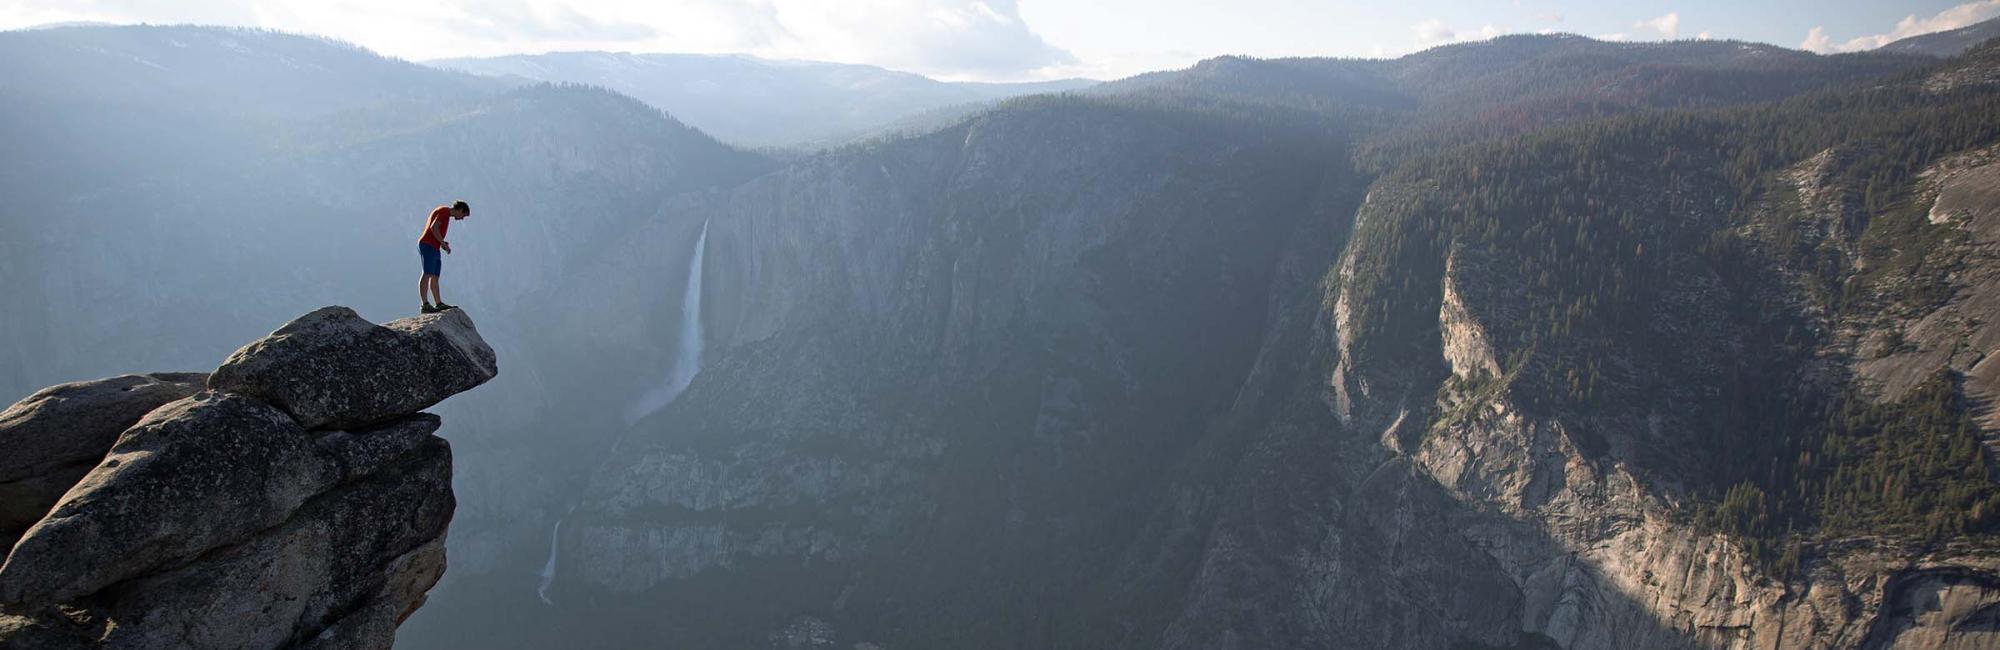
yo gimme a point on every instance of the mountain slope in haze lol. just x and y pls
(897, 326)
(1542, 342)
(1494, 393)
(757, 102)
(249, 73)
(103, 105)
(1509, 84)
(1947, 43)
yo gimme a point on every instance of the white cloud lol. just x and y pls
(1434, 32)
(1817, 40)
(1962, 15)
(1669, 26)
(948, 38)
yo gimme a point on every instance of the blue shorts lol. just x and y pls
(433, 263)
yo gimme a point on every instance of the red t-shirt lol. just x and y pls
(442, 215)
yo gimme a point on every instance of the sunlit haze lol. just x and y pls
(1007, 40)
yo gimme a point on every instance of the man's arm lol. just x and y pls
(430, 228)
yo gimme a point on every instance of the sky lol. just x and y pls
(1007, 40)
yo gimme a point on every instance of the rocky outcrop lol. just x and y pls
(235, 517)
(331, 369)
(56, 435)
(1979, 67)
(1901, 350)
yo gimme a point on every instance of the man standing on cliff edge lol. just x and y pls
(427, 248)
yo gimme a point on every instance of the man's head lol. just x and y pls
(459, 210)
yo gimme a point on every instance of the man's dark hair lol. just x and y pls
(462, 208)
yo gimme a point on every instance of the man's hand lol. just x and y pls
(446, 246)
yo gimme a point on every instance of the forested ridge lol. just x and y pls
(1593, 177)
(1594, 219)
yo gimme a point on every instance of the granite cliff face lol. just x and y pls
(295, 497)
(1562, 521)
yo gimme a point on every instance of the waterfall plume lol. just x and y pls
(687, 356)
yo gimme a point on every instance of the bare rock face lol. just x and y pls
(223, 520)
(331, 369)
(51, 439)
(1602, 563)
(229, 462)
(1944, 607)
(345, 554)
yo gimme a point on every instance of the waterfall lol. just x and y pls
(687, 364)
(549, 567)
(687, 359)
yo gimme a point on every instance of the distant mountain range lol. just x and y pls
(756, 102)
(1948, 43)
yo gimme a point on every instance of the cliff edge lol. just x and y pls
(295, 497)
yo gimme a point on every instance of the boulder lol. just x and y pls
(367, 451)
(193, 475)
(332, 369)
(367, 549)
(51, 439)
(342, 572)
(284, 506)
(78, 421)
